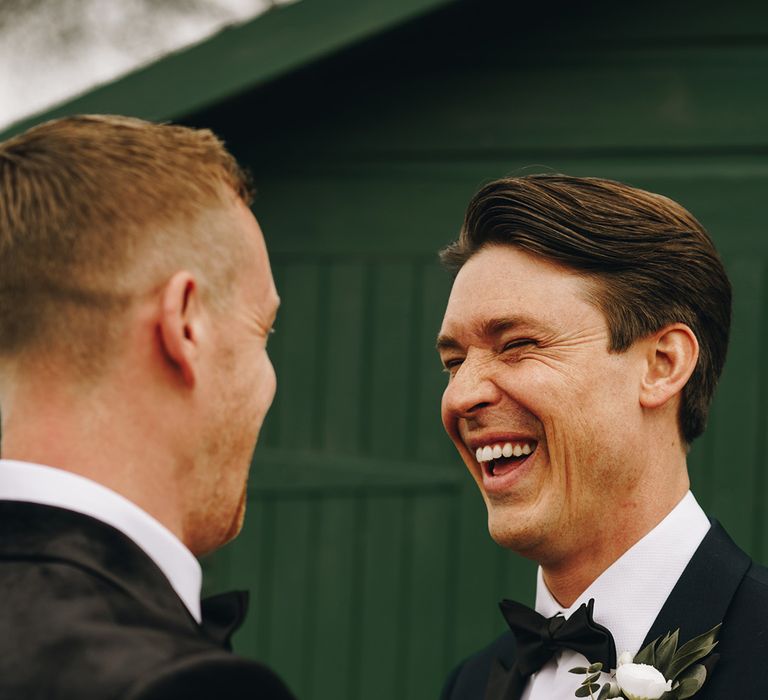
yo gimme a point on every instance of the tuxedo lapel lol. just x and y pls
(504, 683)
(701, 597)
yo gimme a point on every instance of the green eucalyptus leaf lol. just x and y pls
(694, 650)
(591, 679)
(604, 692)
(586, 690)
(665, 652)
(693, 679)
(595, 667)
(682, 661)
(647, 655)
(579, 669)
(703, 640)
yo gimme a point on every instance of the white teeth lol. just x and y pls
(489, 452)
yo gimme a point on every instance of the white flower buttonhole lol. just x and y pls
(660, 670)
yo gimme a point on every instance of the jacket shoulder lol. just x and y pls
(207, 675)
(743, 643)
(757, 576)
(95, 640)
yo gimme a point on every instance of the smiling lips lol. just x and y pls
(500, 458)
(508, 449)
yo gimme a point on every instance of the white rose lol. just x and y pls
(641, 682)
(624, 658)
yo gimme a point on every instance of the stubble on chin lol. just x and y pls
(238, 518)
(518, 527)
(214, 526)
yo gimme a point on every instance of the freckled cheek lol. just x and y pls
(531, 393)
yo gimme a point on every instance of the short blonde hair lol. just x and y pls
(93, 207)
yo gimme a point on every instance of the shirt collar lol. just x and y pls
(630, 593)
(36, 483)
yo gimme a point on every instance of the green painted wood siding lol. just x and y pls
(365, 545)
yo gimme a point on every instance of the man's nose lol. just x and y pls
(471, 389)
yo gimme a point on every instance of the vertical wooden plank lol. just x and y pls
(342, 412)
(413, 354)
(433, 444)
(250, 558)
(738, 403)
(475, 570)
(261, 615)
(294, 542)
(432, 539)
(380, 631)
(701, 464)
(517, 580)
(760, 545)
(391, 365)
(335, 580)
(299, 381)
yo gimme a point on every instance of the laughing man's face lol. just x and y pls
(537, 406)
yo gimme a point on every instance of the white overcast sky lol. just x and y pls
(52, 50)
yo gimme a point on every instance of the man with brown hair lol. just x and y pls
(136, 298)
(584, 335)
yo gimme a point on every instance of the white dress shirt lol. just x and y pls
(35, 483)
(628, 595)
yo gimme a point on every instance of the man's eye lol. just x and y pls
(517, 344)
(452, 365)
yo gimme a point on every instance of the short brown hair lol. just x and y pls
(93, 206)
(653, 262)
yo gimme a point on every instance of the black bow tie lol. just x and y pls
(538, 638)
(223, 614)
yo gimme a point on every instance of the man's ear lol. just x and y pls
(180, 325)
(671, 359)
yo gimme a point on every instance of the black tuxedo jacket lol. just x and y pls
(720, 584)
(86, 615)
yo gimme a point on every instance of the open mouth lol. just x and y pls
(500, 458)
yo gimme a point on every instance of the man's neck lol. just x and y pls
(78, 435)
(567, 577)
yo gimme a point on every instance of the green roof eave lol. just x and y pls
(238, 58)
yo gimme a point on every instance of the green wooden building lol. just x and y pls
(368, 126)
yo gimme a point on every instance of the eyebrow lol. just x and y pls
(492, 327)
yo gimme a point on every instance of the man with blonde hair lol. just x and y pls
(136, 298)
